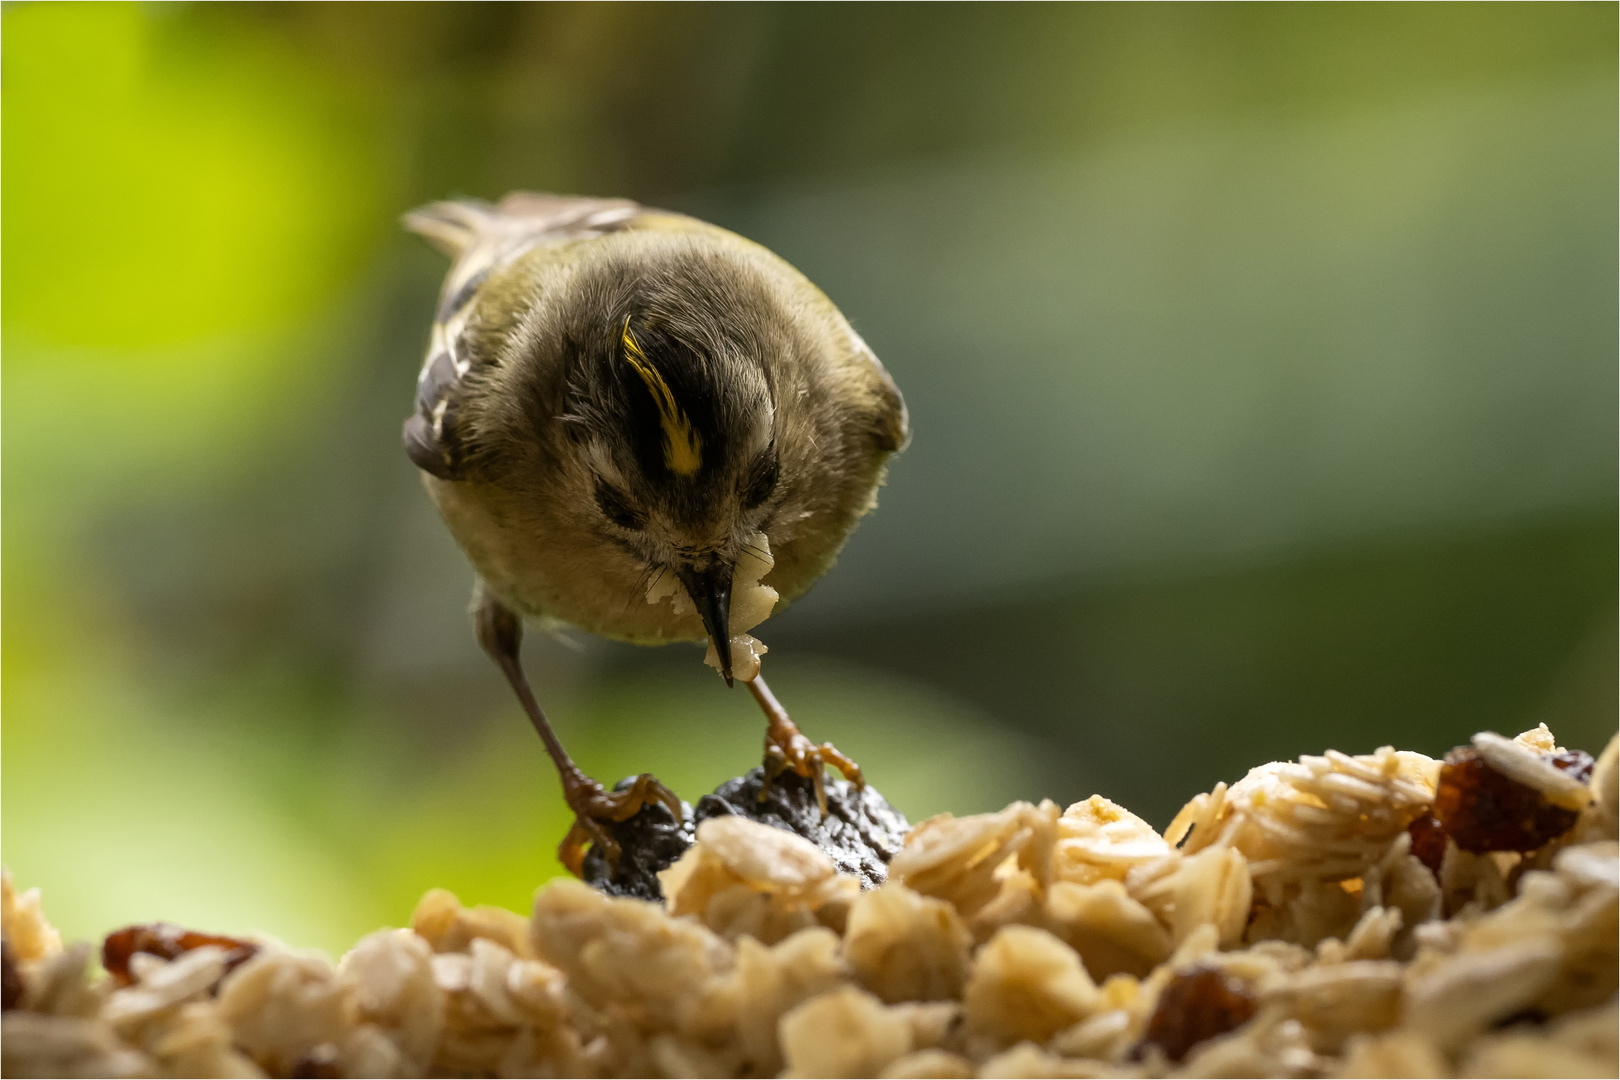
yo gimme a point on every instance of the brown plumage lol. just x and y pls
(614, 394)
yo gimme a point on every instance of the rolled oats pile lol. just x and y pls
(1376, 915)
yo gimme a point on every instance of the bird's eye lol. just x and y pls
(616, 508)
(761, 480)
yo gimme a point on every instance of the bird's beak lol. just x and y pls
(710, 590)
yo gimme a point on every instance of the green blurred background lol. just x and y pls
(1261, 361)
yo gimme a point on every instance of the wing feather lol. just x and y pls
(481, 238)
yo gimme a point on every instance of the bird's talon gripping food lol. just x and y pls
(595, 805)
(582, 836)
(831, 755)
(1294, 932)
(787, 750)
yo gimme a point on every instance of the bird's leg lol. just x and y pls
(787, 748)
(500, 632)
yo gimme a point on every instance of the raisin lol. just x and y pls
(11, 980)
(1482, 810)
(320, 1063)
(1523, 1018)
(168, 941)
(1578, 763)
(1197, 1004)
(1428, 842)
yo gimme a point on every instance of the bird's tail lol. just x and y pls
(456, 226)
(452, 227)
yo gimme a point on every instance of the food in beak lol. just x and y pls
(709, 588)
(746, 649)
(751, 603)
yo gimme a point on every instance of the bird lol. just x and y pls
(622, 406)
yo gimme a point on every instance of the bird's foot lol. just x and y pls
(787, 749)
(593, 805)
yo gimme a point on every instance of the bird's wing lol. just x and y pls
(481, 238)
(891, 421)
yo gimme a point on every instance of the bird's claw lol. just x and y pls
(593, 805)
(790, 751)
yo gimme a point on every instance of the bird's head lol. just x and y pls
(673, 416)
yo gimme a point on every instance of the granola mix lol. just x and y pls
(1383, 914)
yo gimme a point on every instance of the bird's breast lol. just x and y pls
(551, 565)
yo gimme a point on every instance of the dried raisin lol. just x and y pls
(1428, 842)
(1197, 1004)
(1578, 763)
(11, 981)
(168, 941)
(1482, 810)
(320, 1063)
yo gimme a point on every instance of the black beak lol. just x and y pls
(710, 590)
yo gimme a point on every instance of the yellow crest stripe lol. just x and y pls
(683, 448)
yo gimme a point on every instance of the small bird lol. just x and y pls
(622, 406)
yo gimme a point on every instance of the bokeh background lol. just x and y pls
(1261, 359)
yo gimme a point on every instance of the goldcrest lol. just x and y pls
(645, 426)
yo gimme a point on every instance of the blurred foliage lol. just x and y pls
(181, 183)
(1261, 358)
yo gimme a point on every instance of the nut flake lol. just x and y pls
(845, 1032)
(744, 877)
(1027, 984)
(907, 947)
